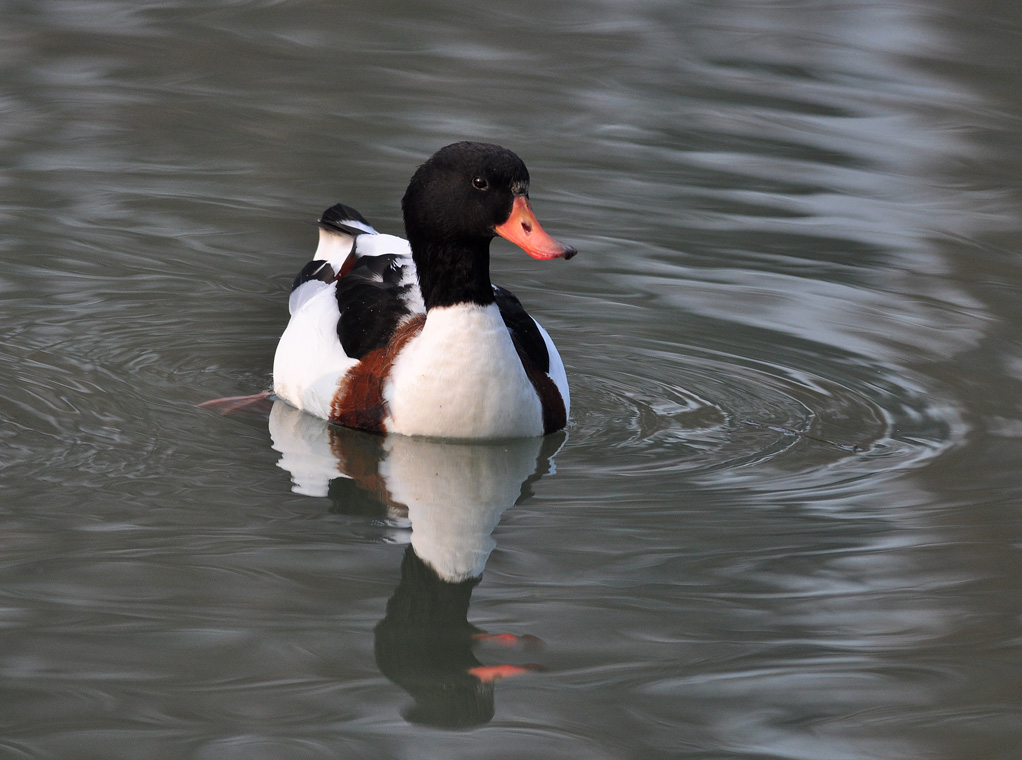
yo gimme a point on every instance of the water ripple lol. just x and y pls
(720, 412)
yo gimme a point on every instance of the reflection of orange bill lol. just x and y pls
(491, 673)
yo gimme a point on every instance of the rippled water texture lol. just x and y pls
(784, 520)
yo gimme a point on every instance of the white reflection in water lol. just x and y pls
(453, 495)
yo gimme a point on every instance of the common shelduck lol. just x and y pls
(410, 337)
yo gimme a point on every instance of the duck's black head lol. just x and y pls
(456, 202)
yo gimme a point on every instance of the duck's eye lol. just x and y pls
(480, 183)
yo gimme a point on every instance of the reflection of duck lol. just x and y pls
(411, 337)
(453, 494)
(425, 644)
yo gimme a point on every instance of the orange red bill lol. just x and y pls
(524, 230)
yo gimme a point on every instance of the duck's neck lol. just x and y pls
(451, 274)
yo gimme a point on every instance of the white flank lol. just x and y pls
(461, 378)
(310, 361)
(304, 293)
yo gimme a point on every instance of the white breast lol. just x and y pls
(461, 378)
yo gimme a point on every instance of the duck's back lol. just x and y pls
(344, 304)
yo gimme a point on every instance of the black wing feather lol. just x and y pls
(523, 328)
(340, 217)
(314, 270)
(371, 304)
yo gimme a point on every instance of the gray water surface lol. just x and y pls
(784, 521)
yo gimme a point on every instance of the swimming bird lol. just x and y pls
(410, 336)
